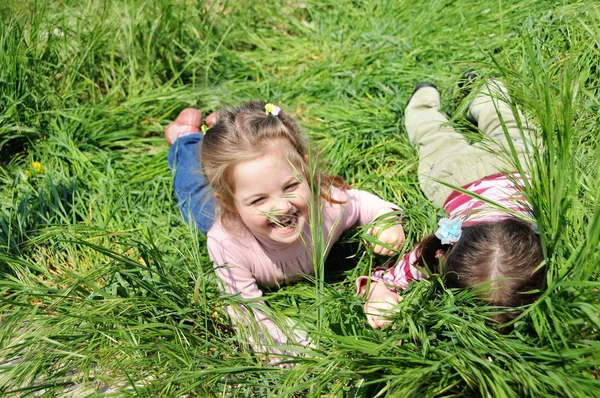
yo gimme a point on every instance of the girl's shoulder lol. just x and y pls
(236, 248)
(345, 195)
(340, 194)
(228, 233)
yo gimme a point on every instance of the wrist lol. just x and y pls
(389, 214)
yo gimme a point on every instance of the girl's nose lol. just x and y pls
(282, 206)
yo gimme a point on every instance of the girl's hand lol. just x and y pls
(378, 305)
(391, 235)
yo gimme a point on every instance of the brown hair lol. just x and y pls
(247, 132)
(502, 257)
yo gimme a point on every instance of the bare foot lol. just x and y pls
(188, 121)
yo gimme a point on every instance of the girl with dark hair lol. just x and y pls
(488, 241)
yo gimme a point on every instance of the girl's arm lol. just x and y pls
(246, 310)
(367, 208)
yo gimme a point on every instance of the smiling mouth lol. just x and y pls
(287, 222)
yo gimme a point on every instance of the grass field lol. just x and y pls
(105, 290)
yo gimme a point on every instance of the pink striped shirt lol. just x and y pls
(493, 198)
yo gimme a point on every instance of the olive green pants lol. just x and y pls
(444, 154)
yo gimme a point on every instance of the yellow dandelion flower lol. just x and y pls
(37, 166)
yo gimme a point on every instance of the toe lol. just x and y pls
(211, 119)
(190, 116)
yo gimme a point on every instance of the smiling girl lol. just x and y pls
(255, 163)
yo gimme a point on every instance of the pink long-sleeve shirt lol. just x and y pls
(244, 262)
(490, 199)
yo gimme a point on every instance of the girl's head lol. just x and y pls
(257, 164)
(502, 258)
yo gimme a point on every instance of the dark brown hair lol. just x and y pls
(247, 132)
(502, 258)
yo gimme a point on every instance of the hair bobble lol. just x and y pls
(204, 128)
(449, 231)
(272, 109)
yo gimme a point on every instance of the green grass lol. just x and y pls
(105, 290)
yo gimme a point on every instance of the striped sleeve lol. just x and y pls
(492, 198)
(396, 277)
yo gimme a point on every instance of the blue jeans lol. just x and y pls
(195, 196)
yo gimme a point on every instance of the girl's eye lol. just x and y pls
(257, 202)
(291, 187)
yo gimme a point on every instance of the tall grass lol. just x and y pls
(105, 290)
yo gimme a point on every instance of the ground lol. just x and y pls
(104, 288)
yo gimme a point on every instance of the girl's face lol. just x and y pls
(272, 195)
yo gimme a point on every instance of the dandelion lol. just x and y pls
(37, 167)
